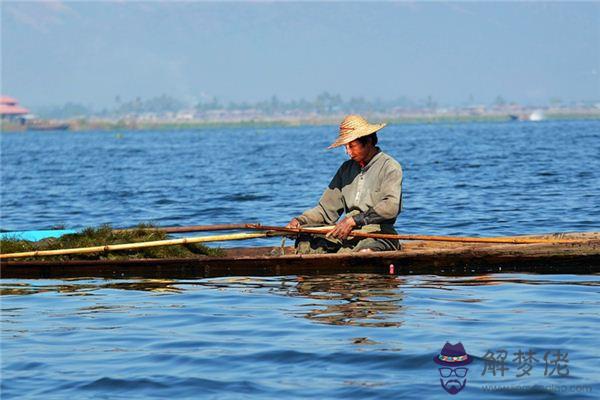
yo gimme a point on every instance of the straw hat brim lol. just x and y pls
(355, 134)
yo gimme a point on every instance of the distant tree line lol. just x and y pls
(323, 104)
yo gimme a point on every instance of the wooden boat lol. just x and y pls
(40, 125)
(580, 256)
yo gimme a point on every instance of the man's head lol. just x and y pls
(362, 149)
(355, 127)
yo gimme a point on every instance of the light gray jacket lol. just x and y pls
(372, 195)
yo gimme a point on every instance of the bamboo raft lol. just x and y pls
(565, 253)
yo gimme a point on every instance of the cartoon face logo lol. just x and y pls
(453, 374)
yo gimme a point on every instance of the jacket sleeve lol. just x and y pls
(330, 207)
(391, 202)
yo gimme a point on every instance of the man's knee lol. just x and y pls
(315, 245)
(370, 245)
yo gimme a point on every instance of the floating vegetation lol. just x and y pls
(105, 235)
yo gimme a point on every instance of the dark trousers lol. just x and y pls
(316, 244)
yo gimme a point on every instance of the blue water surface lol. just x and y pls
(468, 179)
(342, 336)
(338, 336)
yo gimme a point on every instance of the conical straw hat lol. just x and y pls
(353, 127)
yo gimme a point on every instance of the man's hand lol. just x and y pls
(294, 223)
(342, 228)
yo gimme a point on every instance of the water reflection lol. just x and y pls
(343, 299)
(346, 299)
(353, 299)
(340, 287)
(448, 283)
(85, 288)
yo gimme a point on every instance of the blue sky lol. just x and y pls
(90, 52)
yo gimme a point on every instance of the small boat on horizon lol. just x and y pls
(535, 116)
(42, 125)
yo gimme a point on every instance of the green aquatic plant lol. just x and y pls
(105, 235)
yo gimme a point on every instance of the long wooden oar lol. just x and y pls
(139, 245)
(191, 228)
(462, 239)
(323, 230)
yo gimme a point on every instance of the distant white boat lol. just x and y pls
(537, 115)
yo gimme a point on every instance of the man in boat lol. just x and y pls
(367, 189)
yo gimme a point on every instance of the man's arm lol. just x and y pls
(330, 205)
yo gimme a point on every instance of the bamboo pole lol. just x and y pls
(139, 245)
(325, 230)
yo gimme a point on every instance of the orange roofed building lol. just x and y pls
(10, 108)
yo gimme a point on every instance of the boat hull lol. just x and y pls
(415, 258)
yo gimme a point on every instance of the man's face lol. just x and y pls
(357, 151)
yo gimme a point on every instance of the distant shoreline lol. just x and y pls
(139, 124)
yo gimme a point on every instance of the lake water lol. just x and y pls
(341, 336)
